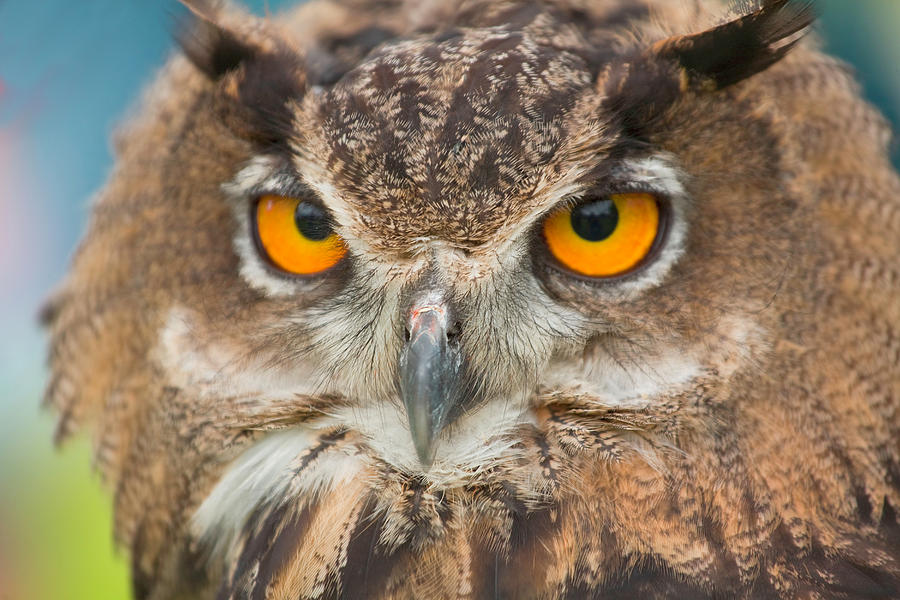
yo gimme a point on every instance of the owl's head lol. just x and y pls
(432, 235)
(428, 244)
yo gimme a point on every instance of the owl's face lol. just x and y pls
(463, 228)
(440, 277)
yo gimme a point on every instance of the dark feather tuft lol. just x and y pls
(213, 49)
(640, 88)
(741, 48)
(265, 79)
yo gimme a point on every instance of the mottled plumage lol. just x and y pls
(721, 422)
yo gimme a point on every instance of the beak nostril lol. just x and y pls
(406, 334)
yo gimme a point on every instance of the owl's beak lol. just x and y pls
(430, 366)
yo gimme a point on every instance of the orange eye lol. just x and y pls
(297, 235)
(604, 237)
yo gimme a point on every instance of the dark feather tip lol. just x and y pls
(213, 49)
(48, 312)
(267, 79)
(743, 47)
(642, 87)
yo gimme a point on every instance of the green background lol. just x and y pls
(68, 72)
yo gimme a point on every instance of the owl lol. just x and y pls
(494, 299)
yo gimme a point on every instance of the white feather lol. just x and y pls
(265, 475)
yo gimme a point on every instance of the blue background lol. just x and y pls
(68, 72)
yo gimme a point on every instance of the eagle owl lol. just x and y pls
(495, 299)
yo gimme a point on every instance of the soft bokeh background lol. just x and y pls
(68, 72)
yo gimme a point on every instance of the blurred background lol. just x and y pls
(68, 72)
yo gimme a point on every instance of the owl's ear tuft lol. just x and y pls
(640, 88)
(260, 74)
(727, 54)
(211, 47)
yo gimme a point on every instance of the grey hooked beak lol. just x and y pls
(430, 372)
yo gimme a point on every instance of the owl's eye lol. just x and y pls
(604, 236)
(297, 235)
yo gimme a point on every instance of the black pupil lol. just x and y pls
(312, 222)
(595, 221)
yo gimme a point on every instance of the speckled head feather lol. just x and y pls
(719, 421)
